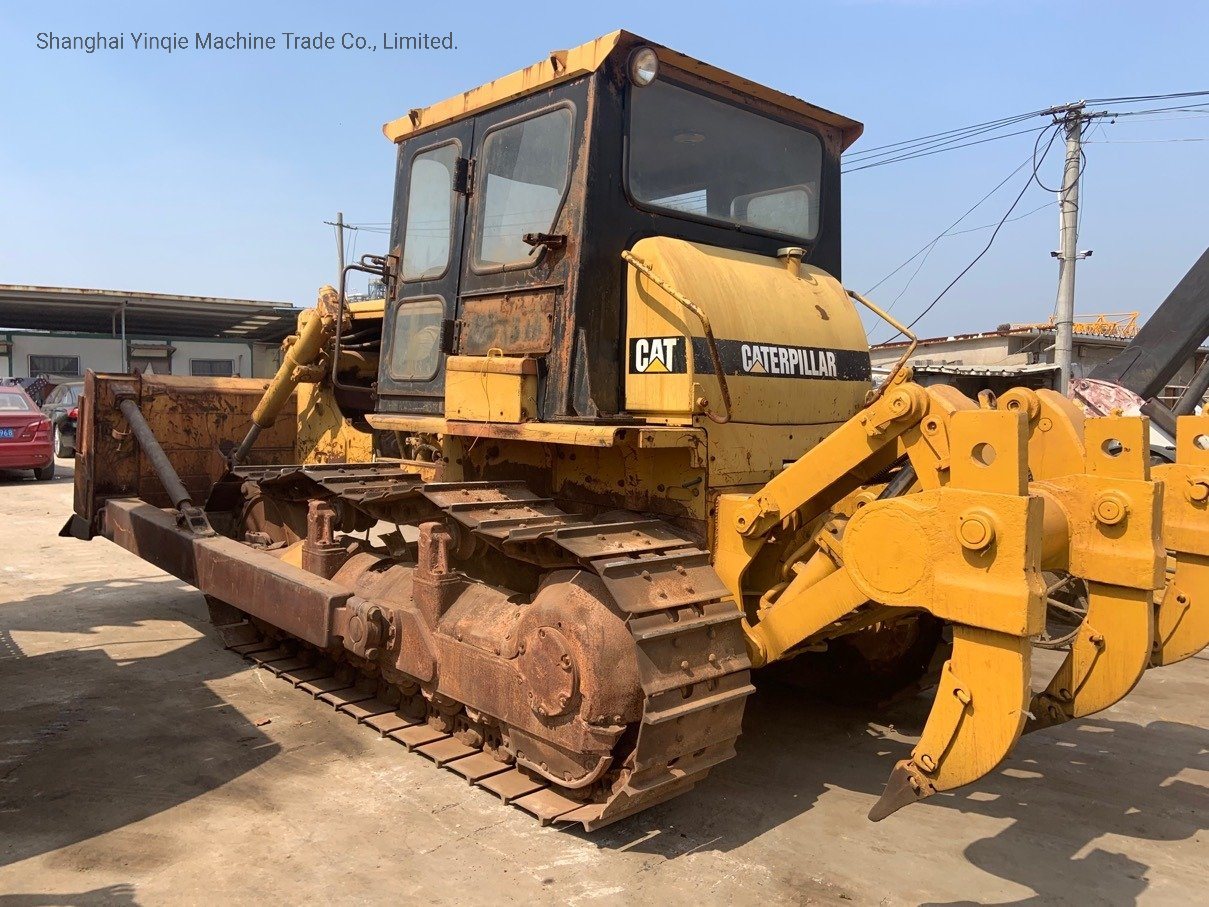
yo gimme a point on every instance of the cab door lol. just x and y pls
(429, 221)
(523, 236)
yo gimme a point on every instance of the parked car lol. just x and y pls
(62, 407)
(24, 435)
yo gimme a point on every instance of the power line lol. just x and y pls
(1144, 141)
(1185, 108)
(937, 149)
(990, 131)
(949, 133)
(990, 242)
(945, 232)
(1149, 97)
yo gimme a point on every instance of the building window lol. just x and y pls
(212, 368)
(54, 365)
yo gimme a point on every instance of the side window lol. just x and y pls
(430, 212)
(416, 345)
(212, 368)
(54, 397)
(525, 167)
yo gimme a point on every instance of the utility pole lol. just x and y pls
(340, 246)
(1068, 235)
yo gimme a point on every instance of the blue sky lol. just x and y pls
(212, 173)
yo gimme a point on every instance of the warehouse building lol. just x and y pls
(1026, 351)
(61, 332)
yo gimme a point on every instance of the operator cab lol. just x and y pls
(514, 201)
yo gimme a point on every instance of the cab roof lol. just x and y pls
(564, 65)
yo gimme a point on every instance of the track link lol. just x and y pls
(687, 633)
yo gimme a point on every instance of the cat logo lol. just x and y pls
(657, 355)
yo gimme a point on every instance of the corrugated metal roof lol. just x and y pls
(67, 309)
(953, 368)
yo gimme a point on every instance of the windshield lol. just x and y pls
(697, 155)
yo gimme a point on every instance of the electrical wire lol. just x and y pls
(895, 147)
(949, 228)
(939, 150)
(980, 133)
(990, 242)
(1145, 141)
(1149, 97)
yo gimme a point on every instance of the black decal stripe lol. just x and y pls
(809, 362)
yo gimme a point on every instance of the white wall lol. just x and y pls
(968, 351)
(240, 355)
(104, 354)
(101, 354)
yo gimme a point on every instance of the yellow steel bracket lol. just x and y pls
(832, 461)
(970, 553)
(1182, 616)
(927, 444)
(1111, 514)
(1055, 445)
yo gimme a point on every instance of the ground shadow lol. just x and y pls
(1099, 776)
(106, 896)
(92, 738)
(73, 763)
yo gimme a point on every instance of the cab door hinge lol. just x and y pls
(463, 176)
(451, 334)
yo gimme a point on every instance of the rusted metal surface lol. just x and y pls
(252, 581)
(153, 535)
(190, 516)
(609, 690)
(193, 419)
(514, 322)
(321, 553)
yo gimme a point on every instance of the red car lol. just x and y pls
(24, 435)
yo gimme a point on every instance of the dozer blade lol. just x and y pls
(1181, 625)
(1106, 659)
(977, 717)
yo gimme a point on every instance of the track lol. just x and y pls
(686, 630)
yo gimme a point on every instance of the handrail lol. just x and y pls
(370, 264)
(902, 329)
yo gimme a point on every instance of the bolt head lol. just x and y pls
(1110, 508)
(975, 531)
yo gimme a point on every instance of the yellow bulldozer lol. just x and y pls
(610, 443)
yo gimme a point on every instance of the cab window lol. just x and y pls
(416, 345)
(690, 154)
(524, 178)
(430, 212)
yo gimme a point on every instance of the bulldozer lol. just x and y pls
(610, 443)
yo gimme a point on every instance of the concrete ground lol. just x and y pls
(142, 763)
